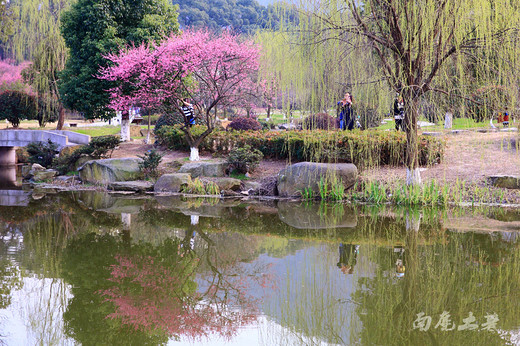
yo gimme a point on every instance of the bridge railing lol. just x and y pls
(20, 138)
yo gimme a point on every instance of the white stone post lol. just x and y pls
(125, 126)
(448, 120)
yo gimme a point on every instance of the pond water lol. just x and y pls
(94, 269)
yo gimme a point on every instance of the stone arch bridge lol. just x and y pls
(10, 139)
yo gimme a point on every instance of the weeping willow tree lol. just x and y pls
(37, 37)
(42, 74)
(6, 21)
(421, 48)
(34, 21)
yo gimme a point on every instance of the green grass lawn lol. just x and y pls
(458, 124)
(96, 131)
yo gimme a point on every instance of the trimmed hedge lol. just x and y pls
(370, 148)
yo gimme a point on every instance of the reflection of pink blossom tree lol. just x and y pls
(210, 70)
(152, 295)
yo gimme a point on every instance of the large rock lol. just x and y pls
(110, 170)
(505, 181)
(227, 184)
(172, 182)
(295, 178)
(205, 169)
(45, 175)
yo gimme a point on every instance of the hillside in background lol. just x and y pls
(244, 16)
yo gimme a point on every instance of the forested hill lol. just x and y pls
(241, 15)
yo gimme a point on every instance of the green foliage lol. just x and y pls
(36, 22)
(212, 189)
(42, 153)
(331, 188)
(431, 193)
(307, 194)
(151, 161)
(112, 24)
(371, 148)
(16, 106)
(244, 159)
(6, 21)
(194, 187)
(174, 138)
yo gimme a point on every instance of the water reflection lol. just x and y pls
(103, 270)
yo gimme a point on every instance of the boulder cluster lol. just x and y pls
(123, 174)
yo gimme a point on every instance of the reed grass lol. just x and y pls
(430, 193)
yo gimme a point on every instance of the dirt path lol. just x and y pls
(469, 156)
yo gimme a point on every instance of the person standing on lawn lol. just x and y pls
(345, 112)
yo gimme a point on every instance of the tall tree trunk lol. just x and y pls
(413, 174)
(61, 118)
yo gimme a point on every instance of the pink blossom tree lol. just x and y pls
(209, 69)
(11, 76)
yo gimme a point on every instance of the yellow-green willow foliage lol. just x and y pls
(38, 38)
(35, 21)
(441, 55)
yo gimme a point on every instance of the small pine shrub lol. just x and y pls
(244, 159)
(245, 124)
(151, 161)
(321, 121)
(42, 153)
(102, 146)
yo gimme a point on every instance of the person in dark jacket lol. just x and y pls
(399, 112)
(346, 113)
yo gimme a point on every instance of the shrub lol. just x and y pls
(244, 124)
(244, 159)
(194, 187)
(369, 148)
(321, 121)
(102, 146)
(16, 106)
(174, 138)
(151, 161)
(42, 153)
(168, 119)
